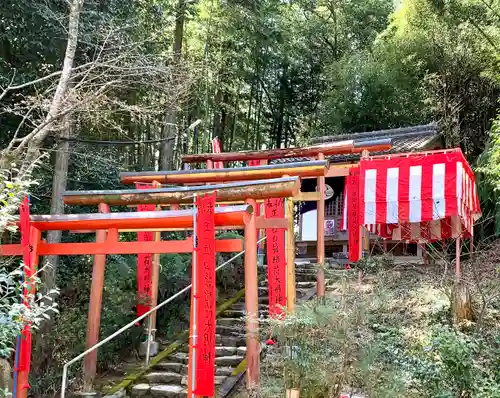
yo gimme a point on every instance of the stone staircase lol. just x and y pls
(169, 377)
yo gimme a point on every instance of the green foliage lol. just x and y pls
(490, 160)
(373, 264)
(15, 314)
(396, 341)
(315, 349)
(489, 176)
(257, 74)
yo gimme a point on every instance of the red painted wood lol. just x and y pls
(74, 249)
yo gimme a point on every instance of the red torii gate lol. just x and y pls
(107, 226)
(280, 261)
(308, 169)
(110, 223)
(247, 191)
(313, 152)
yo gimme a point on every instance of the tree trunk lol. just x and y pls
(257, 124)
(5, 375)
(234, 121)
(57, 109)
(170, 130)
(249, 115)
(462, 303)
(281, 109)
(217, 119)
(51, 263)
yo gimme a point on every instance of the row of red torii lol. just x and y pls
(387, 195)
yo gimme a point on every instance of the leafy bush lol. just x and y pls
(14, 314)
(373, 264)
(318, 349)
(397, 341)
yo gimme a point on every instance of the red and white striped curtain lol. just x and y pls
(422, 197)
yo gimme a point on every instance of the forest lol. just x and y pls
(89, 88)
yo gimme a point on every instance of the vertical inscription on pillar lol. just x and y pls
(353, 215)
(144, 263)
(276, 258)
(205, 297)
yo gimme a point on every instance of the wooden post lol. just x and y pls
(155, 277)
(290, 267)
(22, 385)
(252, 302)
(95, 304)
(462, 303)
(364, 233)
(471, 243)
(261, 247)
(320, 236)
(366, 240)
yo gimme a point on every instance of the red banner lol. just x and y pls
(353, 215)
(29, 288)
(144, 263)
(204, 301)
(276, 258)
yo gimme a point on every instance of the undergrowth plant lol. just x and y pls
(16, 309)
(395, 339)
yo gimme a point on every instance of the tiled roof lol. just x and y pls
(407, 139)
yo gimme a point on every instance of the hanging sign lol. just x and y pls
(353, 215)
(204, 300)
(24, 362)
(328, 192)
(276, 258)
(144, 262)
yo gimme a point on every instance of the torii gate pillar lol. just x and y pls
(95, 305)
(252, 301)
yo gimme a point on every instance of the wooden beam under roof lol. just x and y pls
(301, 169)
(336, 148)
(233, 192)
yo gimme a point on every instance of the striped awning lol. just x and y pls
(419, 197)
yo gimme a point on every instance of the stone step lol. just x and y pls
(167, 391)
(218, 380)
(225, 351)
(175, 367)
(224, 371)
(234, 343)
(231, 321)
(230, 330)
(232, 313)
(241, 306)
(305, 285)
(241, 313)
(163, 377)
(180, 357)
(231, 341)
(241, 351)
(233, 360)
(305, 276)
